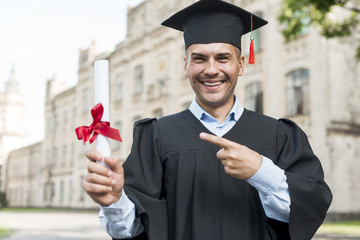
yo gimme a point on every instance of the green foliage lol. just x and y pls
(298, 15)
(3, 202)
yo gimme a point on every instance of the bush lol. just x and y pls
(3, 202)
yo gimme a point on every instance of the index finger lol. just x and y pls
(219, 141)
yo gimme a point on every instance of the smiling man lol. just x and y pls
(213, 70)
(216, 170)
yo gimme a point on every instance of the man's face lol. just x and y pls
(213, 70)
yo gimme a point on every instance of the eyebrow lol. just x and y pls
(218, 54)
(197, 54)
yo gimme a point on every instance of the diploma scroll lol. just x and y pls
(101, 72)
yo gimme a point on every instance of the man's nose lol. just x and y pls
(211, 68)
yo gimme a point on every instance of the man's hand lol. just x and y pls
(103, 185)
(239, 161)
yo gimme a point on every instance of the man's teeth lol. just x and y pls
(212, 84)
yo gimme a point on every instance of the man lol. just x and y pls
(216, 170)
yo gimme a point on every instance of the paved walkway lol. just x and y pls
(77, 226)
(51, 226)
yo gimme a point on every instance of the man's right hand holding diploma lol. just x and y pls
(103, 185)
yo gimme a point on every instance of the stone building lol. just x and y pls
(23, 176)
(311, 80)
(12, 108)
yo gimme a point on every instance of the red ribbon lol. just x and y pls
(97, 127)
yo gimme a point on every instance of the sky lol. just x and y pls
(42, 38)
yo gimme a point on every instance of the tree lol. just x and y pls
(297, 15)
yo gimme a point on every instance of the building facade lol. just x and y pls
(12, 134)
(311, 80)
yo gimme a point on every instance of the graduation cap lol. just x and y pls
(211, 21)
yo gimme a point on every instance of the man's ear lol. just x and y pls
(241, 65)
(185, 67)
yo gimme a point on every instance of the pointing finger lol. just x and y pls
(219, 141)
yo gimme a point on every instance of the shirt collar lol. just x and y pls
(235, 112)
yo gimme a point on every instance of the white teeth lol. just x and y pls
(212, 84)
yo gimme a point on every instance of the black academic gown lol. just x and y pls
(181, 191)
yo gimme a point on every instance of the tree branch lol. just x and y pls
(352, 9)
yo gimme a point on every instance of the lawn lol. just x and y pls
(348, 227)
(4, 232)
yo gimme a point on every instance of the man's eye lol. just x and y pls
(223, 58)
(199, 59)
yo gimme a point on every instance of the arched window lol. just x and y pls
(297, 93)
(254, 97)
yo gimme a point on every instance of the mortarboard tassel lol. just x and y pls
(251, 54)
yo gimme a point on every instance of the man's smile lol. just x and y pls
(211, 84)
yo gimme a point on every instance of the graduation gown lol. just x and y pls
(181, 191)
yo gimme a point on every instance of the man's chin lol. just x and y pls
(213, 103)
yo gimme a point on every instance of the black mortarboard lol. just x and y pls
(209, 21)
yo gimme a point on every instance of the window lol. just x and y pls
(70, 191)
(119, 87)
(48, 158)
(48, 127)
(64, 154)
(254, 97)
(52, 191)
(57, 122)
(297, 93)
(82, 194)
(138, 79)
(258, 41)
(74, 117)
(72, 157)
(62, 191)
(66, 120)
(55, 157)
(45, 192)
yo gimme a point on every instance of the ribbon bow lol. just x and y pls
(97, 127)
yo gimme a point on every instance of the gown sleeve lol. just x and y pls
(143, 182)
(310, 196)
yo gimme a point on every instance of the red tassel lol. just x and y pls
(251, 53)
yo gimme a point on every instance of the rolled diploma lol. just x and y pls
(101, 72)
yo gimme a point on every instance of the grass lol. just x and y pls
(347, 227)
(4, 232)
